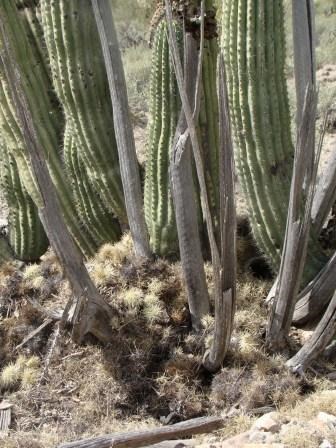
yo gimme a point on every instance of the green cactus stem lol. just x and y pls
(98, 221)
(253, 43)
(80, 81)
(165, 109)
(26, 235)
(47, 119)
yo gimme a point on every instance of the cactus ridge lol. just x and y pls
(25, 231)
(47, 119)
(80, 82)
(254, 48)
(164, 112)
(97, 220)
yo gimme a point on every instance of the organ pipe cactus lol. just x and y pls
(254, 48)
(47, 119)
(164, 113)
(97, 219)
(25, 231)
(80, 81)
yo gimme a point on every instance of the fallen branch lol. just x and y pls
(142, 438)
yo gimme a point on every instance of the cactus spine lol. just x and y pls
(80, 81)
(164, 114)
(25, 231)
(254, 49)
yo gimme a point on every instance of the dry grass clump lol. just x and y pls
(297, 436)
(116, 253)
(252, 385)
(308, 408)
(24, 372)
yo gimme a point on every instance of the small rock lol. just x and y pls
(237, 441)
(327, 419)
(257, 437)
(268, 423)
(326, 444)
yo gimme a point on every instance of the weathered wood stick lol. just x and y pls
(184, 198)
(304, 42)
(325, 194)
(129, 167)
(142, 438)
(322, 336)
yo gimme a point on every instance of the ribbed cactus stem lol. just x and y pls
(80, 81)
(25, 231)
(47, 119)
(98, 221)
(254, 50)
(208, 124)
(164, 110)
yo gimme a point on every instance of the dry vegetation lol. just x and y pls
(151, 371)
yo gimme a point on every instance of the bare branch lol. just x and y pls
(304, 42)
(129, 166)
(297, 230)
(184, 197)
(225, 297)
(325, 195)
